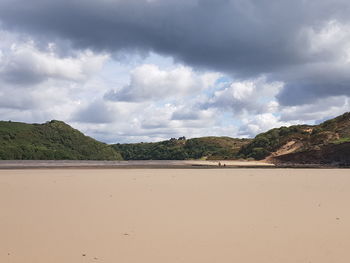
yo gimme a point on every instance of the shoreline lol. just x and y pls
(154, 164)
(144, 164)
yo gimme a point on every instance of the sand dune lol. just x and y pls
(166, 216)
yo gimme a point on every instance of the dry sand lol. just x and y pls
(165, 216)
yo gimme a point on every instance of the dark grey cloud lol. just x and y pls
(245, 38)
(304, 93)
(312, 82)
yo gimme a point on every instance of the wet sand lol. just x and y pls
(166, 215)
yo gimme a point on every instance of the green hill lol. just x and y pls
(52, 140)
(182, 149)
(328, 142)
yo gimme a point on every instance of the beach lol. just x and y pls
(260, 215)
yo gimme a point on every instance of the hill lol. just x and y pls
(52, 140)
(182, 149)
(326, 143)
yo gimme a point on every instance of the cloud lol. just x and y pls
(24, 64)
(304, 44)
(76, 94)
(185, 114)
(325, 70)
(261, 123)
(149, 82)
(253, 96)
(137, 122)
(228, 35)
(318, 111)
(37, 84)
(96, 112)
(203, 67)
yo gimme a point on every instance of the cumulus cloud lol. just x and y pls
(318, 111)
(261, 123)
(137, 122)
(254, 96)
(25, 64)
(149, 82)
(37, 84)
(258, 63)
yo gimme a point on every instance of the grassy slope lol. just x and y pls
(53, 140)
(317, 140)
(181, 149)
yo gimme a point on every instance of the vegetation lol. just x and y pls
(341, 140)
(56, 140)
(181, 149)
(309, 138)
(266, 143)
(53, 140)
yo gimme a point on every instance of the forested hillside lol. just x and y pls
(52, 140)
(182, 148)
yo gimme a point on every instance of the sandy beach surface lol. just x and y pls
(175, 215)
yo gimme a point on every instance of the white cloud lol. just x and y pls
(135, 122)
(319, 110)
(330, 41)
(253, 96)
(242, 90)
(24, 63)
(261, 123)
(169, 100)
(149, 82)
(55, 85)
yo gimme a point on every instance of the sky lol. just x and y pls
(148, 70)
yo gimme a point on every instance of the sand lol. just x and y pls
(165, 216)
